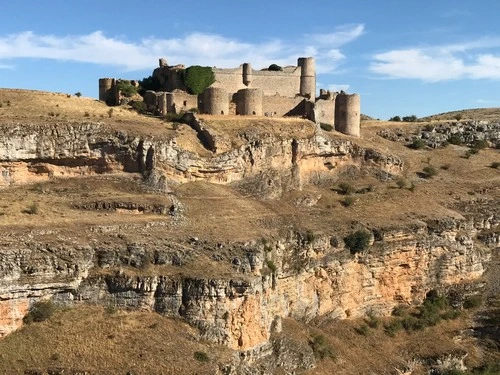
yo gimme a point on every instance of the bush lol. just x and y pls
(458, 117)
(326, 127)
(201, 357)
(473, 302)
(479, 144)
(417, 144)
(393, 327)
(348, 201)
(455, 139)
(126, 88)
(148, 83)
(357, 241)
(470, 152)
(495, 165)
(32, 209)
(400, 182)
(362, 330)
(429, 171)
(320, 347)
(345, 188)
(271, 266)
(197, 78)
(411, 118)
(78, 94)
(110, 112)
(395, 118)
(140, 107)
(39, 312)
(275, 68)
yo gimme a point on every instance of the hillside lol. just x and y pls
(476, 114)
(241, 244)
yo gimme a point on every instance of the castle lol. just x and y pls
(288, 91)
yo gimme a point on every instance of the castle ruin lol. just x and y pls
(287, 91)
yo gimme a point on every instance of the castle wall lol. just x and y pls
(279, 106)
(249, 102)
(324, 111)
(178, 101)
(348, 114)
(284, 83)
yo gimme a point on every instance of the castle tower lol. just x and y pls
(216, 101)
(105, 88)
(249, 102)
(307, 76)
(247, 74)
(348, 114)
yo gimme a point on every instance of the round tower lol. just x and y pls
(348, 114)
(247, 74)
(216, 101)
(249, 102)
(105, 87)
(307, 76)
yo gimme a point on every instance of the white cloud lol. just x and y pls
(441, 63)
(194, 48)
(339, 37)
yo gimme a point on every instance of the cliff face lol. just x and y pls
(292, 277)
(31, 152)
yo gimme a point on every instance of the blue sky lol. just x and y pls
(403, 57)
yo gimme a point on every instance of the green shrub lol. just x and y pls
(320, 347)
(458, 117)
(78, 94)
(275, 68)
(455, 139)
(393, 327)
(429, 172)
(417, 144)
(400, 182)
(411, 118)
(348, 201)
(309, 236)
(39, 312)
(470, 152)
(201, 357)
(140, 107)
(126, 88)
(32, 209)
(479, 144)
(110, 112)
(345, 188)
(362, 330)
(271, 266)
(445, 167)
(395, 119)
(400, 310)
(326, 127)
(473, 302)
(357, 241)
(197, 78)
(495, 165)
(148, 83)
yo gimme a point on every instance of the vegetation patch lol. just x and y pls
(326, 127)
(126, 88)
(197, 78)
(321, 348)
(358, 241)
(39, 312)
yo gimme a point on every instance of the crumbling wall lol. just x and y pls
(324, 111)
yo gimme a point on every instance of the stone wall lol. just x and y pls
(279, 106)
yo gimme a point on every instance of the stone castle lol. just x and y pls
(289, 91)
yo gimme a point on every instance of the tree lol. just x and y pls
(395, 118)
(411, 118)
(357, 241)
(275, 68)
(197, 78)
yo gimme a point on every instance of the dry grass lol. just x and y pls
(103, 342)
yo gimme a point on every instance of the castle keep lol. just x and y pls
(288, 91)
